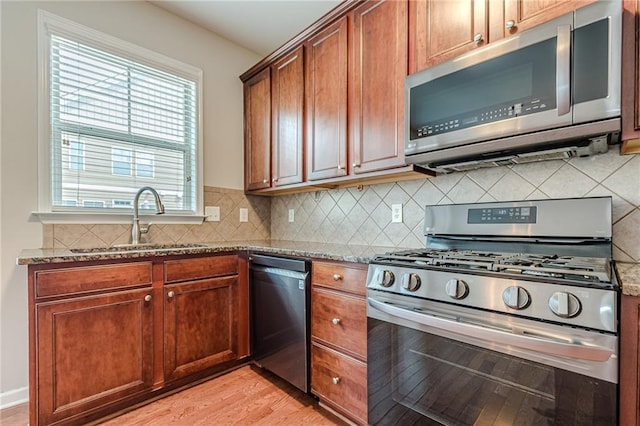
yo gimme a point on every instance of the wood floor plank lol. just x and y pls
(246, 396)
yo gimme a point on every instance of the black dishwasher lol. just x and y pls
(280, 316)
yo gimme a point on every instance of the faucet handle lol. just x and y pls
(145, 229)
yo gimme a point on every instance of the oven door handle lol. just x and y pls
(583, 352)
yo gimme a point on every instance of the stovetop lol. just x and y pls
(581, 270)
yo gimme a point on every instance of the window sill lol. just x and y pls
(113, 218)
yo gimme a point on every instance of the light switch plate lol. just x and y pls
(212, 213)
(292, 215)
(244, 215)
(396, 213)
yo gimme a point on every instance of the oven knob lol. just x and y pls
(411, 282)
(564, 305)
(387, 279)
(516, 297)
(456, 289)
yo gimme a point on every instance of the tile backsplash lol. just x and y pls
(353, 216)
(229, 228)
(363, 216)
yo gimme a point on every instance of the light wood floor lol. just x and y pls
(247, 396)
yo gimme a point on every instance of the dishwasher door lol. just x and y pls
(280, 317)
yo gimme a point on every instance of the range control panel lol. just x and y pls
(503, 215)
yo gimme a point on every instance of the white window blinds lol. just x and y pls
(118, 125)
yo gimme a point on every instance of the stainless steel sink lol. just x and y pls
(135, 247)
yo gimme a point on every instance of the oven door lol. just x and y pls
(431, 363)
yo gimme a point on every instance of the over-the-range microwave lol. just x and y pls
(552, 91)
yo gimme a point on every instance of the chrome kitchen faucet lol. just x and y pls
(136, 230)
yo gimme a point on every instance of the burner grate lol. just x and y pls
(579, 269)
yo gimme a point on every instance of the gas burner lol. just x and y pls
(570, 268)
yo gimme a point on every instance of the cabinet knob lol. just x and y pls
(354, 165)
(510, 24)
(275, 179)
(335, 380)
(265, 180)
(337, 277)
(147, 298)
(477, 38)
(335, 321)
(340, 167)
(171, 294)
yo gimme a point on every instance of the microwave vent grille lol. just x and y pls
(589, 147)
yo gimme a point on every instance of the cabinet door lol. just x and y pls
(630, 361)
(379, 66)
(631, 78)
(326, 96)
(520, 15)
(92, 351)
(442, 29)
(200, 320)
(287, 98)
(257, 131)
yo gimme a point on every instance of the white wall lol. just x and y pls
(138, 22)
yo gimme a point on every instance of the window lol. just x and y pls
(93, 204)
(123, 203)
(144, 164)
(120, 162)
(119, 118)
(75, 154)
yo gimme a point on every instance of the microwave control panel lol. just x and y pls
(488, 115)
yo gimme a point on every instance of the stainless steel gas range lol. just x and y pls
(509, 315)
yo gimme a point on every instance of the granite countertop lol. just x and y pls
(629, 277)
(338, 252)
(628, 273)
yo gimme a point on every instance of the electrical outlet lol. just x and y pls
(244, 215)
(291, 215)
(396, 213)
(212, 213)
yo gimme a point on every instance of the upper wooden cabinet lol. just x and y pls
(631, 83)
(379, 65)
(287, 108)
(326, 102)
(520, 15)
(257, 131)
(442, 29)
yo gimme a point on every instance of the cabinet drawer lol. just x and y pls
(199, 268)
(340, 380)
(339, 277)
(84, 279)
(340, 320)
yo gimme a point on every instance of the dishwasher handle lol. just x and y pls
(280, 272)
(299, 265)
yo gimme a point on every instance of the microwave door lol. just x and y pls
(512, 87)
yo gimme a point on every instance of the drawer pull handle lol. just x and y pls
(147, 298)
(337, 277)
(335, 321)
(335, 380)
(171, 294)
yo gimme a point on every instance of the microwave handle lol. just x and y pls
(563, 70)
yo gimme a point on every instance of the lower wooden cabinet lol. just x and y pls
(91, 351)
(104, 336)
(340, 381)
(200, 325)
(339, 338)
(630, 361)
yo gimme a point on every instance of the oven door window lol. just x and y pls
(420, 378)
